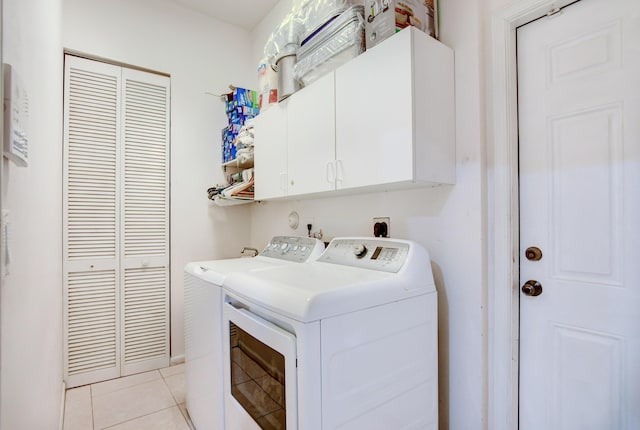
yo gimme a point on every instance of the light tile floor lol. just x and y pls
(146, 401)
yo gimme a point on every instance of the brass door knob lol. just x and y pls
(532, 288)
(533, 253)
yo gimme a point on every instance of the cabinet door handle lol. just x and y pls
(331, 173)
(283, 181)
(339, 171)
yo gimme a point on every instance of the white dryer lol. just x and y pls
(202, 310)
(346, 342)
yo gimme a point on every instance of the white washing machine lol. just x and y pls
(346, 342)
(203, 347)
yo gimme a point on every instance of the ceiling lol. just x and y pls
(243, 13)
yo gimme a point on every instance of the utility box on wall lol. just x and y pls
(16, 116)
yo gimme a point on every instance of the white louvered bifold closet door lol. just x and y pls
(145, 233)
(116, 306)
(91, 212)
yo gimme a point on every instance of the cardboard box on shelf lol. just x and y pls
(386, 17)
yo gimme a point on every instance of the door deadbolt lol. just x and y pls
(532, 288)
(533, 253)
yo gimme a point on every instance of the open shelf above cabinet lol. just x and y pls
(225, 201)
(241, 106)
(237, 163)
(234, 167)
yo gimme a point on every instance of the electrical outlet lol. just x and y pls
(382, 227)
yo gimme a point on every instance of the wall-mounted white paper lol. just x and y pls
(16, 116)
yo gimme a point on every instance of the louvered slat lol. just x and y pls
(146, 327)
(145, 169)
(91, 315)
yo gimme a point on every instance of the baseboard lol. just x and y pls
(177, 359)
(62, 404)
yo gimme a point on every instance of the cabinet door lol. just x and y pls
(270, 128)
(311, 138)
(374, 116)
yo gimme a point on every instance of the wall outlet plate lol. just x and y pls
(382, 226)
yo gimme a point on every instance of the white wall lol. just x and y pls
(449, 221)
(31, 296)
(201, 55)
(261, 32)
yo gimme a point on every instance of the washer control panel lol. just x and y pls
(293, 248)
(374, 254)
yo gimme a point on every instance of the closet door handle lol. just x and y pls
(283, 181)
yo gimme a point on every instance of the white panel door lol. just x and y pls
(91, 194)
(579, 110)
(145, 221)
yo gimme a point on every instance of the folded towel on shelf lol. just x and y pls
(245, 155)
(244, 137)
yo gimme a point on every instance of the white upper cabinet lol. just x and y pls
(300, 128)
(270, 129)
(395, 115)
(384, 120)
(311, 138)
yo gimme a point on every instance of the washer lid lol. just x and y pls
(215, 271)
(280, 251)
(345, 279)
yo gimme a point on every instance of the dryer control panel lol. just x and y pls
(374, 254)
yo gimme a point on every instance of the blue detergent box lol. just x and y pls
(240, 105)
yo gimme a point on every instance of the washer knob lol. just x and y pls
(360, 250)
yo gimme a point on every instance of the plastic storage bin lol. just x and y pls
(340, 40)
